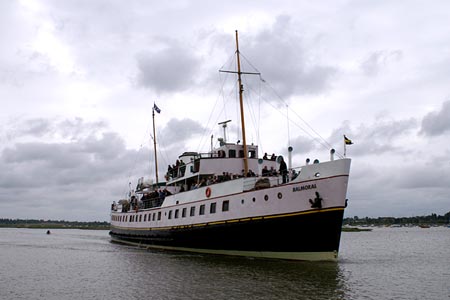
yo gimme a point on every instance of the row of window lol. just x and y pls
(156, 216)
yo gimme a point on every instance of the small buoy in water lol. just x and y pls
(48, 232)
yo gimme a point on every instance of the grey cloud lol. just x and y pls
(434, 177)
(84, 173)
(181, 130)
(437, 122)
(77, 127)
(171, 69)
(377, 138)
(282, 58)
(302, 144)
(54, 127)
(378, 60)
(402, 188)
(35, 127)
(53, 164)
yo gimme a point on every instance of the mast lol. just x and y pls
(154, 146)
(241, 102)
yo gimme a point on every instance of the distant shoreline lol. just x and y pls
(355, 229)
(53, 224)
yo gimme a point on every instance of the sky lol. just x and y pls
(78, 80)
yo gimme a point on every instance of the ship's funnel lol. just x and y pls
(290, 149)
(260, 162)
(332, 151)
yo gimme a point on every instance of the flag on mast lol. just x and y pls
(347, 141)
(156, 108)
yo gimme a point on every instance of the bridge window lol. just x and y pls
(192, 211)
(212, 208)
(202, 209)
(232, 153)
(176, 214)
(225, 205)
(183, 212)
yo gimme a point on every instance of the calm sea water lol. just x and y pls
(387, 263)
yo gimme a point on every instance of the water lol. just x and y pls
(387, 263)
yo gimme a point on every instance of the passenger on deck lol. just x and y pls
(265, 156)
(195, 186)
(273, 157)
(283, 170)
(265, 171)
(174, 171)
(272, 172)
(202, 182)
(182, 168)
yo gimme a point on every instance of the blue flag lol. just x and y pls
(156, 108)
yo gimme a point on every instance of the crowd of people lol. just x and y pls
(176, 170)
(273, 157)
(157, 197)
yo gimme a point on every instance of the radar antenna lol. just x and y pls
(224, 126)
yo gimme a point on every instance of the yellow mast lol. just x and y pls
(241, 90)
(154, 145)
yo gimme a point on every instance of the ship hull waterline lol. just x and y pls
(312, 235)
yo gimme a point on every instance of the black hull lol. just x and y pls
(309, 232)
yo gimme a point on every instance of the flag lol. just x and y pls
(347, 141)
(156, 108)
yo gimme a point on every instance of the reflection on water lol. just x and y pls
(186, 276)
(77, 264)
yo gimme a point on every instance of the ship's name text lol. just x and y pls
(304, 187)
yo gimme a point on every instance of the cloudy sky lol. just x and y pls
(78, 80)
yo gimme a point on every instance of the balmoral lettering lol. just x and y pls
(304, 187)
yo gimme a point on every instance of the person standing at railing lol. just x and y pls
(283, 170)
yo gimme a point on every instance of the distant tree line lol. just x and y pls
(432, 219)
(35, 223)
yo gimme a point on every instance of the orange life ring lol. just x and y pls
(208, 192)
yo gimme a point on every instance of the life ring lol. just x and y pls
(208, 192)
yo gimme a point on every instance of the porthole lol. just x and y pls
(266, 197)
(317, 174)
(242, 201)
(280, 195)
(254, 199)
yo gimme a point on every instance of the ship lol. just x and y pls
(231, 201)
